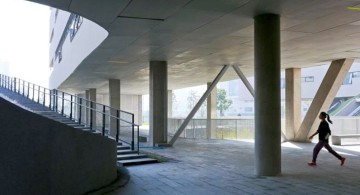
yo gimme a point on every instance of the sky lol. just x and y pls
(24, 40)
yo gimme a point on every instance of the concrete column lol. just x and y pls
(170, 94)
(114, 102)
(267, 96)
(211, 114)
(92, 97)
(324, 97)
(140, 114)
(87, 105)
(292, 102)
(158, 102)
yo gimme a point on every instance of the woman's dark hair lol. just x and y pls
(326, 116)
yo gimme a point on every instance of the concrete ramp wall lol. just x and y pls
(42, 156)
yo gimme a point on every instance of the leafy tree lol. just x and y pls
(222, 104)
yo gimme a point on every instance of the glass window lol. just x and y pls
(348, 79)
(52, 35)
(307, 79)
(59, 54)
(356, 74)
(75, 25)
(56, 14)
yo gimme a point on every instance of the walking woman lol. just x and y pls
(324, 134)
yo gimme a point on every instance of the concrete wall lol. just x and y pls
(128, 103)
(41, 156)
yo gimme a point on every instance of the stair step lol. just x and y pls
(139, 161)
(123, 147)
(74, 124)
(130, 156)
(82, 127)
(122, 152)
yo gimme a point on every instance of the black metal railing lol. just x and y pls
(111, 122)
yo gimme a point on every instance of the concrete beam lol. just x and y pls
(324, 97)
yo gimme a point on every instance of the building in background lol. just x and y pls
(346, 102)
(72, 39)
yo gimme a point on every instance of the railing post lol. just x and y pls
(117, 125)
(44, 96)
(38, 94)
(56, 99)
(133, 132)
(91, 115)
(80, 105)
(33, 94)
(28, 90)
(62, 103)
(50, 99)
(23, 88)
(138, 138)
(103, 121)
(8, 83)
(14, 84)
(71, 106)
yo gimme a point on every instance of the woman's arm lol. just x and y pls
(313, 135)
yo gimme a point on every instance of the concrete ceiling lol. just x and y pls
(197, 37)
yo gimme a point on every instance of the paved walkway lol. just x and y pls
(227, 167)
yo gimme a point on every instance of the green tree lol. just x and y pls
(222, 104)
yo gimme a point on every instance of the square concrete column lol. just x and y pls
(292, 102)
(92, 98)
(211, 114)
(267, 95)
(158, 102)
(114, 102)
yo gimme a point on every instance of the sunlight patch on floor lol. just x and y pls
(290, 145)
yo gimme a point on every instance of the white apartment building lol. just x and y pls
(311, 78)
(72, 39)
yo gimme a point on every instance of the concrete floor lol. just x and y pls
(227, 167)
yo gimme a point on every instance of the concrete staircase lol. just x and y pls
(125, 155)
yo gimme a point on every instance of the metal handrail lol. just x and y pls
(50, 98)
